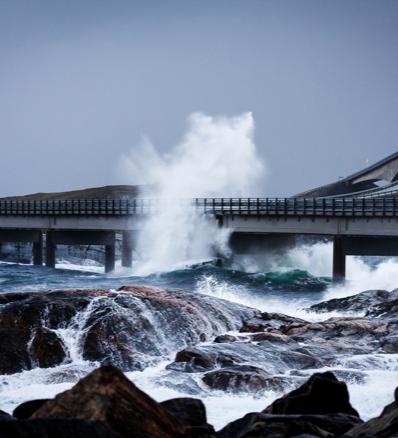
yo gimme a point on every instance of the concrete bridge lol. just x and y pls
(359, 213)
(358, 226)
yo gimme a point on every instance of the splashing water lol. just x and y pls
(216, 157)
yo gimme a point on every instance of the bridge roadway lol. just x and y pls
(358, 225)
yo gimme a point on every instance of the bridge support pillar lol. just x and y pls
(338, 259)
(50, 249)
(127, 249)
(37, 251)
(110, 256)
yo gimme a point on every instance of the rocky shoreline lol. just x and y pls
(221, 346)
(106, 404)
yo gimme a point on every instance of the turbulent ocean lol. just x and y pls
(299, 280)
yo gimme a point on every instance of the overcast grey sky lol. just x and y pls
(81, 81)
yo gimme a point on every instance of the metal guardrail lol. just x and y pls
(328, 207)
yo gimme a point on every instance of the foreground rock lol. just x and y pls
(105, 404)
(131, 327)
(58, 428)
(281, 426)
(321, 394)
(27, 409)
(108, 397)
(192, 413)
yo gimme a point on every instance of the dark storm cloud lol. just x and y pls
(80, 81)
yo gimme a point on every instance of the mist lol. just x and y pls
(216, 156)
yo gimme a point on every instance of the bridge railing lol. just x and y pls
(300, 206)
(381, 206)
(78, 207)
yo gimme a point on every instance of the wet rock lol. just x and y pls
(237, 378)
(107, 396)
(14, 355)
(196, 360)
(272, 426)
(191, 412)
(356, 303)
(53, 309)
(271, 337)
(5, 417)
(46, 349)
(269, 322)
(389, 344)
(323, 393)
(25, 410)
(225, 338)
(275, 358)
(59, 428)
(281, 426)
(132, 327)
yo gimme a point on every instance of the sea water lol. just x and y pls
(283, 289)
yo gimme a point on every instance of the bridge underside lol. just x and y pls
(252, 243)
(44, 243)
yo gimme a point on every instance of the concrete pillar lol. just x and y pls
(127, 249)
(50, 249)
(110, 256)
(338, 259)
(37, 251)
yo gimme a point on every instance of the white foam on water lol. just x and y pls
(360, 276)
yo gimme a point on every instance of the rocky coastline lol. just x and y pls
(221, 346)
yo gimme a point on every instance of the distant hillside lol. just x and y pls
(107, 192)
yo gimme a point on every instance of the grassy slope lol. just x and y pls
(107, 192)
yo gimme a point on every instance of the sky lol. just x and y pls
(82, 81)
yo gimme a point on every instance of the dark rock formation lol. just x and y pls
(321, 394)
(238, 378)
(14, 355)
(46, 349)
(281, 426)
(5, 417)
(196, 360)
(25, 410)
(131, 327)
(192, 413)
(224, 338)
(59, 428)
(268, 322)
(369, 303)
(107, 396)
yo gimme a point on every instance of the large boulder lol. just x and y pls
(131, 327)
(238, 378)
(5, 417)
(46, 349)
(107, 396)
(26, 409)
(281, 426)
(60, 428)
(322, 393)
(191, 412)
(14, 355)
(269, 322)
